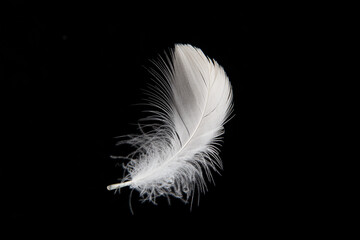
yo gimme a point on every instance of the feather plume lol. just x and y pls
(193, 100)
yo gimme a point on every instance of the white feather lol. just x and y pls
(193, 97)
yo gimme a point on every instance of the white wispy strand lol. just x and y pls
(193, 98)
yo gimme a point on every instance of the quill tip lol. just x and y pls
(118, 185)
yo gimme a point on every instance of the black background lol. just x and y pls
(70, 76)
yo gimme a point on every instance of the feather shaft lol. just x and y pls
(118, 185)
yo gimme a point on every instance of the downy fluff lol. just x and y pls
(193, 100)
